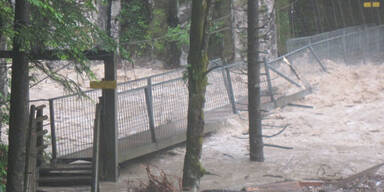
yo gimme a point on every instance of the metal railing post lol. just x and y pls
(344, 47)
(149, 102)
(53, 129)
(361, 44)
(230, 92)
(328, 46)
(318, 59)
(377, 38)
(269, 82)
(381, 39)
(284, 76)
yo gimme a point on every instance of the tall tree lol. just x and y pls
(255, 131)
(18, 120)
(197, 82)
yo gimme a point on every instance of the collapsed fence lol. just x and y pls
(153, 110)
(351, 45)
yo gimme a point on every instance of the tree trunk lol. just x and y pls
(197, 82)
(255, 132)
(102, 14)
(19, 110)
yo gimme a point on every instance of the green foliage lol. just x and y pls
(283, 25)
(215, 27)
(158, 28)
(59, 25)
(158, 22)
(4, 108)
(6, 18)
(3, 165)
(134, 21)
(141, 34)
(179, 34)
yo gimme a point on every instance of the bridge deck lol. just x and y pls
(140, 144)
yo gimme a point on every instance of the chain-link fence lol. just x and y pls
(154, 108)
(299, 42)
(352, 45)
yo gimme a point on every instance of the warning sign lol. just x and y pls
(103, 84)
(371, 4)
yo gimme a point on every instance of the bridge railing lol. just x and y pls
(154, 108)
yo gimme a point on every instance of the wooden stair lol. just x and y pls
(65, 175)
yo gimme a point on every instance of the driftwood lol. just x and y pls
(359, 177)
(34, 148)
(304, 186)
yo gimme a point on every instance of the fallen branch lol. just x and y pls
(277, 146)
(278, 133)
(298, 105)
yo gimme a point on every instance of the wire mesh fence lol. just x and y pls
(352, 45)
(155, 108)
(299, 42)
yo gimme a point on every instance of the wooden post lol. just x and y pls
(33, 148)
(96, 147)
(40, 132)
(53, 130)
(40, 135)
(30, 165)
(109, 132)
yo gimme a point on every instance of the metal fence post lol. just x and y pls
(381, 39)
(149, 102)
(328, 46)
(53, 129)
(317, 59)
(377, 39)
(362, 47)
(230, 92)
(344, 47)
(269, 81)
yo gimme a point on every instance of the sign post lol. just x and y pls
(108, 132)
